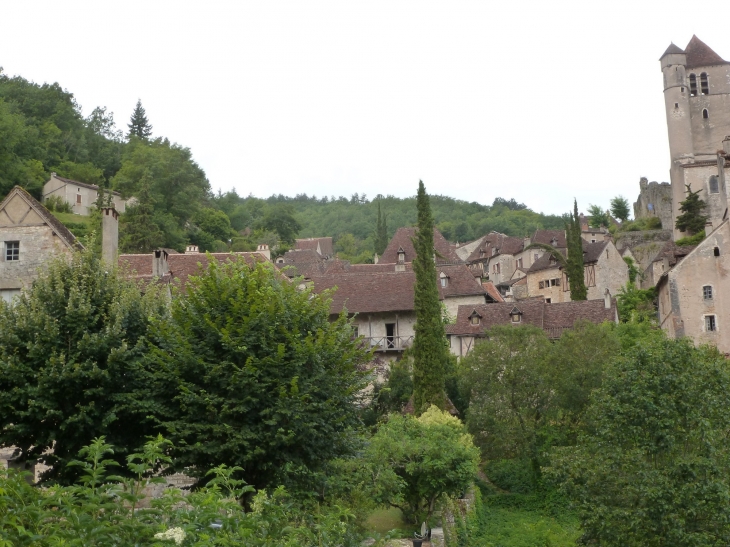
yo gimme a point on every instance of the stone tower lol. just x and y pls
(697, 103)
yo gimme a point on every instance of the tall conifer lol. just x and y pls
(139, 125)
(574, 268)
(381, 232)
(430, 351)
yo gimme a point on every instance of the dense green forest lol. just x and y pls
(43, 130)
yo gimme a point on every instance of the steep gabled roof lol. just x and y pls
(700, 54)
(403, 240)
(56, 225)
(672, 49)
(592, 251)
(324, 243)
(492, 291)
(546, 237)
(461, 281)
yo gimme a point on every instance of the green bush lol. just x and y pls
(691, 240)
(515, 475)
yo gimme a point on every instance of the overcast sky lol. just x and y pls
(537, 101)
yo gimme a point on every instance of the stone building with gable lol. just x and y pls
(31, 237)
(80, 196)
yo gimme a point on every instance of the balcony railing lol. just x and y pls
(388, 343)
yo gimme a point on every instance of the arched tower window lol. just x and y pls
(704, 86)
(692, 85)
(705, 113)
(714, 185)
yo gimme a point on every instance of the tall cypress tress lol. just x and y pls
(430, 351)
(575, 269)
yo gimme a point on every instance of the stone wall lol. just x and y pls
(644, 245)
(655, 200)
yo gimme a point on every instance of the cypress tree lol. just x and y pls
(574, 268)
(691, 220)
(139, 125)
(430, 351)
(381, 232)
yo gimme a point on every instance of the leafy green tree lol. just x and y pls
(620, 208)
(637, 305)
(430, 351)
(17, 166)
(82, 172)
(216, 223)
(251, 372)
(138, 231)
(381, 232)
(691, 220)
(281, 218)
(598, 217)
(414, 461)
(652, 465)
(139, 126)
(70, 363)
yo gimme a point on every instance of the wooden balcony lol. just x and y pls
(388, 343)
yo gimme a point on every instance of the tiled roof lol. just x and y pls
(301, 256)
(325, 245)
(536, 312)
(501, 243)
(673, 252)
(137, 265)
(670, 50)
(55, 224)
(700, 54)
(403, 239)
(544, 262)
(369, 293)
(461, 281)
(592, 251)
(84, 184)
(545, 237)
(492, 291)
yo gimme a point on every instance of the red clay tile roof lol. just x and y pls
(403, 239)
(136, 265)
(544, 262)
(461, 281)
(546, 237)
(700, 54)
(492, 291)
(537, 312)
(369, 293)
(182, 266)
(592, 251)
(500, 243)
(325, 245)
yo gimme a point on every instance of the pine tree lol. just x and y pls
(430, 351)
(574, 267)
(138, 125)
(381, 232)
(140, 234)
(691, 220)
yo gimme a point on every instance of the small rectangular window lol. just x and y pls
(710, 325)
(707, 292)
(12, 250)
(541, 284)
(548, 300)
(714, 185)
(78, 199)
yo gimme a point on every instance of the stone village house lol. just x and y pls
(80, 196)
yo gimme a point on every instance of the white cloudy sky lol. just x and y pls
(540, 101)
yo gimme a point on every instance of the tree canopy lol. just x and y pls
(692, 220)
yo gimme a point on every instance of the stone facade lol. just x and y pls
(30, 238)
(697, 104)
(693, 294)
(79, 195)
(655, 200)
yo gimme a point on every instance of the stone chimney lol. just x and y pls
(191, 250)
(159, 263)
(109, 235)
(526, 243)
(263, 249)
(375, 258)
(607, 299)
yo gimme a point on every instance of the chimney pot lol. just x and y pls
(607, 299)
(191, 250)
(109, 235)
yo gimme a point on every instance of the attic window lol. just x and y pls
(692, 85)
(704, 85)
(475, 318)
(516, 315)
(444, 279)
(705, 114)
(714, 185)
(401, 255)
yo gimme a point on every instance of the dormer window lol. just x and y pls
(554, 242)
(516, 315)
(401, 255)
(475, 319)
(444, 279)
(494, 251)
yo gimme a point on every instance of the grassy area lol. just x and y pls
(79, 225)
(526, 527)
(383, 521)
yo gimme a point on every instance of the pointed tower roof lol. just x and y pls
(670, 50)
(700, 54)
